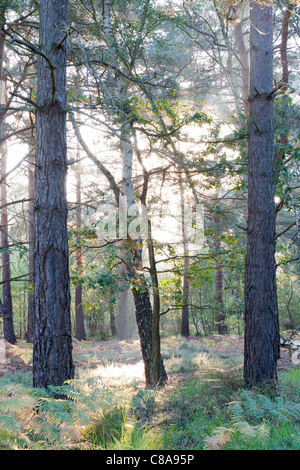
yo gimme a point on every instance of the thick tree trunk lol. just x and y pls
(52, 353)
(261, 316)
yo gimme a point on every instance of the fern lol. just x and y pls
(260, 407)
(253, 418)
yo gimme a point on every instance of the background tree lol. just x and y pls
(6, 307)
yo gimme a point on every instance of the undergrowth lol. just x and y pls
(208, 408)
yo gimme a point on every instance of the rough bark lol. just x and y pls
(261, 316)
(159, 375)
(52, 353)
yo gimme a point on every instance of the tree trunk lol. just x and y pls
(283, 139)
(123, 317)
(31, 195)
(221, 316)
(7, 308)
(141, 295)
(79, 316)
(159, 375)
(244, 61)
(185, 329)
(112, 318)
(52, 353)
(261, 316)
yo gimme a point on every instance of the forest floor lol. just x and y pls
(125, 356)
(113, 409)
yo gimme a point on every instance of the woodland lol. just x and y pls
(150, 243)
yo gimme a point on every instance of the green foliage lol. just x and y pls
(208, 410)
(105, 428)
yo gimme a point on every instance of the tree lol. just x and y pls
(6, 307)
(52, 355)
(261, 315)
(79, 315)
(31, 196)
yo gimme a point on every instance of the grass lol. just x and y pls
(203, 406)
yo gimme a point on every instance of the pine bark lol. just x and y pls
(261, 316)
(52, 353)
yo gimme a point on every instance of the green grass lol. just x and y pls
(206, 409)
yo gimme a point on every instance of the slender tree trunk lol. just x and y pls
(261, 316)
(79, 315)
(7, 308)
(221, 316)
(222, 327)
(185, 329)
(284, 43)
(140, 291)
(31, 195)
(123, 317)
(159, 375)
(112, 318)
(143, 314)
(244, 62)
(52, 352)
(283, 139)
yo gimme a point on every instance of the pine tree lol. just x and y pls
(52, 356)
(261, 316)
